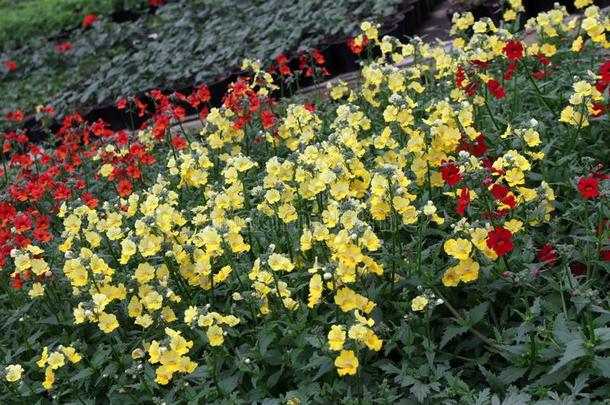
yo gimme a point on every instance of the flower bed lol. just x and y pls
(438, 234)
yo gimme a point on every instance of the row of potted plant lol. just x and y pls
(107, 60)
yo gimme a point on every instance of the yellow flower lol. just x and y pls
(163, 375)
(137, 353)
(458, 248)
(514, 177)
(346, 363)
(56, 360)
(510, 15)
(107, 322)
(49, 378)
(71, 354)
(279, 262)
(582, 3)
(419, 303)
(315, 290)
(215, 335)
(336, 337)
(514, 225)
(13, 372)
(466, 271)
(144, 273)
(570, 116)
(106, 169)
(150, 245)
(154, 351)
(190, 314)
(531, 137)
(36, 291)
(43, 357)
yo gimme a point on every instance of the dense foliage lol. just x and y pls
(439, 234)
(22, 20)
(107, 60)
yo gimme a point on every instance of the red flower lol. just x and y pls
(121, 104)
(317, 56)
(588, 187)
(499, 241)
(463, 202)
(513, 50)
(496, 89)
(179, 143)
(354, 47)
(41, 235)
(124, 188)
(459, 77)
(16, 282)
(450, 173)
(598, 109)
(510, 70)
(578, 268)
(480, 63)
(499, 191)
(10, 65)
(267, 119)
(604, 71)
(543, 59)
(22, 223)
(88, 20)
(548, 254)
(540, 74)
(66, 46)
(90, 200)
(156, 3)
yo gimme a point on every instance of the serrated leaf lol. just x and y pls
(574, 350)
(477, 313)
(420, 390)
(512, 374)
(516, 399)
(602, 366)
(451, 332)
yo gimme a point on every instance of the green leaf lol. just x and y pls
(477, 313)
(574, 350)
(602, 366)
(81, 375)
(420, 390)
(228, 384)
(512, 374)
(451, 332)
(264, 340)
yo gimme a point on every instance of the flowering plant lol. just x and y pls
(421, 237)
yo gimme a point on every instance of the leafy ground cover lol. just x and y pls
(22, 20)
(439, 233)
(108, 60)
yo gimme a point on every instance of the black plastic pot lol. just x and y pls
(121, 16)
(218, 89)
(340, 59)
(409, 22)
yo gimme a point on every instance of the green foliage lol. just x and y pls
(20, 21)
(185, 42)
